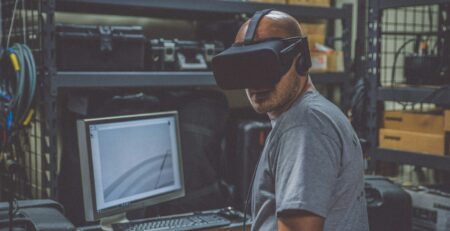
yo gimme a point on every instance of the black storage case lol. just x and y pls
(389, 206)
(181, 55)
(426, 69)
(251, 137)
(38, 215)
(99, 48)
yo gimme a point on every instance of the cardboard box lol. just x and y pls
(316, 33)
(321, 3)
(431, 209)
(426, 143)
(327, 62)
(335, 61)
(315, 28)
(414, 121)
(315, 38)
(319, 62)
(447, 120)
(271, 1)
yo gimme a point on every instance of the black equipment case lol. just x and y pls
(36, 215)
(181, 55)
(389, 206)
(251, 137)
(100, 48)
(426, 70)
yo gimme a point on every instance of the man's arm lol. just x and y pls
(306, 170)
(300, 221)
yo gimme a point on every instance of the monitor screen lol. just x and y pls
(129, 162)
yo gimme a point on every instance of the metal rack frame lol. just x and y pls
(377, 93)
(196, 9)
(53, 81)
(191, 8)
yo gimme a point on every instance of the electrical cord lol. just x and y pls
(11, 168)
(18, 83)
(12, 22)
(358, 107)
(247, 200)
(397, 53)
(432, 95)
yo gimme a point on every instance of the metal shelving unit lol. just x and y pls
(402, 157)
(192, 8)
(54, 83)
(196, 9)
(386, 4)
(409, 94)
(414, 94)
(157, 79)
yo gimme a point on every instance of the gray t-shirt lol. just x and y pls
(312, 161)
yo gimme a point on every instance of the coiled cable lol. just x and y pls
(18, 83)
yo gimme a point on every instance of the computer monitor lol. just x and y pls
(129, 162)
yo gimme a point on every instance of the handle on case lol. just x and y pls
(183, 65)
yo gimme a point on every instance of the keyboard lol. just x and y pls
(178, 223)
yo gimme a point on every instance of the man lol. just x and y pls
(310, 175)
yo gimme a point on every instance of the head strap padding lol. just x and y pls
(254, 21)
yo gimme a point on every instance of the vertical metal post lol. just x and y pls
(347, 49)
(361, 40)
(5, 14)
(373, 76)
(49, 142)
(2, 18)
(2, 44)
(444, 30)
(330, 33)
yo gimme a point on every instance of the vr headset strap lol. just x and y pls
(254, 21)
(291, 51)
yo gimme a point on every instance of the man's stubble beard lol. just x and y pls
(278, 98)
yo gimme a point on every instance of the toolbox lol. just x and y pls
(414, 121)
(99, 48)
(389, 206)
(424, 143)
(181, 55)
(431, 208)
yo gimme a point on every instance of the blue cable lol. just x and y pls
(10, 120)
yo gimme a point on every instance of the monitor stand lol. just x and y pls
(106, 222)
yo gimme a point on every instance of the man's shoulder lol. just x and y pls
(313, 114)
(313, 110)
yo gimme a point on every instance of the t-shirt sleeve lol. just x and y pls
(306, 169)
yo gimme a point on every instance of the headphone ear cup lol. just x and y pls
(301, 67)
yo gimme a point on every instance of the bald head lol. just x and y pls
(275, 24)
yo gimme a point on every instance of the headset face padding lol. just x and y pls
(259, 64)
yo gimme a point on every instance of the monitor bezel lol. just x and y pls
(87, 174)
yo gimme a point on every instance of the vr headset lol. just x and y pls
(259, 64)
